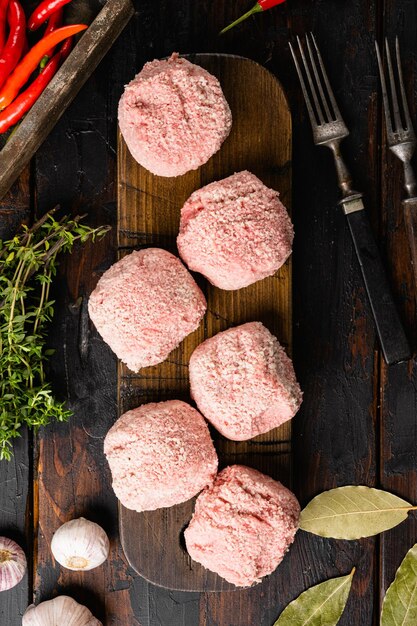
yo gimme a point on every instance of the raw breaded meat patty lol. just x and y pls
(235, 231)
(144, 305)
(173, 116)
(242, 525)
(160, 454)
(243, 382)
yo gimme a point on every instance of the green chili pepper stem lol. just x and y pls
(256, 9)
(43, 62)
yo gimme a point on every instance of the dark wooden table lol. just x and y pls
(358, 420)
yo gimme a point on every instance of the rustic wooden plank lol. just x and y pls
(399, 384)
(333, 362)
(76, 167)
(71, 475)
(15, 476)
(149, 210)
(15, 206)
(334, 434)
(69, 79)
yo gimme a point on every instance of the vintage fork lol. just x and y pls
(401, 141)
(329, 130)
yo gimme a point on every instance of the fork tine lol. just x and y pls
(384, 91)
(318, 80)
(311, 83)
(407, 117)
(310, 110)
(395, 105)
(330, 93)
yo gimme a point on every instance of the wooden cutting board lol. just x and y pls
(148, 215)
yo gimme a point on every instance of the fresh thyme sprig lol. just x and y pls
(28, 263)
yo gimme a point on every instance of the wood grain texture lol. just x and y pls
(69, 79)
(335, 433)
(148, 215)
(410, 224)
(15, 496)
(357, 423)
(71, 477)
(398, 452)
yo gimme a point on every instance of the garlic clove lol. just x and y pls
(80, 545)
(12, 563)
(61, 611)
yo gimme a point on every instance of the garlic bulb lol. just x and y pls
(12, 564)
(80, 545)
(61, 611)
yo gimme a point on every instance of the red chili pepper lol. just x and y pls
(261, 5)
(12, 51)
(44, 11)
(10, 116)
(29, 63)
(25, 48)
(3, 18)
(65, 52)
(269, 4)
(66, 48)
(54, 22)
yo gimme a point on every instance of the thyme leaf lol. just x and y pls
(28, 264)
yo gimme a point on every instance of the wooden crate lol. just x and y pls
(29, 135)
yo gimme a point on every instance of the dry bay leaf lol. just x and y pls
(353, 512)
(321, 605)
(400, 603)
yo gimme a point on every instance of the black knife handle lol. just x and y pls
(394, 343)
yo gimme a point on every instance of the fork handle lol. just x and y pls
(394, 343)
(410, 218)
(410, 181)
